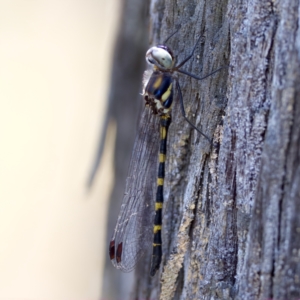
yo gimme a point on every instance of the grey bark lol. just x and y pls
(231, 227)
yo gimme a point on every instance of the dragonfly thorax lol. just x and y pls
(158, 92)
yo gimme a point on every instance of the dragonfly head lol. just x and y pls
(161, 57)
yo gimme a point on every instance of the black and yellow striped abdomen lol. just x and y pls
(165, 122)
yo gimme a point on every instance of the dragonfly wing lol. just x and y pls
(133, 232)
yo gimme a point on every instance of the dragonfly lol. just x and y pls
(140, 217)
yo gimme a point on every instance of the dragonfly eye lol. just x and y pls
(151, 61)
(160, 56)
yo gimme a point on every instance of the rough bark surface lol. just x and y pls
(231, 227)
(232, 222)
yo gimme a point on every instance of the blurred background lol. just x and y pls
(56, 77)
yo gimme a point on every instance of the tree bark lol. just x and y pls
(231, 227)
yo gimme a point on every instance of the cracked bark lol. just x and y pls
(231, 227)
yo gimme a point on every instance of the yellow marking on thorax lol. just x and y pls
(157, 82)
(156, 228)
(158, 205)
(160, 181)
(155, 245)
(166, 94)
(162, 157)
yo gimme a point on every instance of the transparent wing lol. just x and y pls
(134, 229)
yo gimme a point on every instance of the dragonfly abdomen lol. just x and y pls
(165, 122)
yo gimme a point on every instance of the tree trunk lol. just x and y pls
(231, 227)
